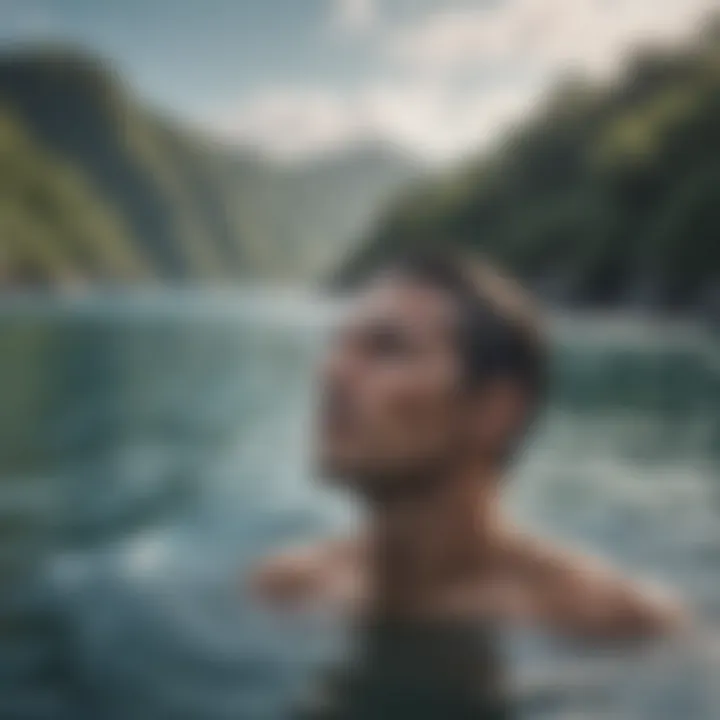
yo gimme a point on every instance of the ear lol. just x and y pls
(499, 413)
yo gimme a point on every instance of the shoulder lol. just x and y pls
(585, 595)
(298, 574)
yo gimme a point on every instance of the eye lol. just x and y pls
(388, 342)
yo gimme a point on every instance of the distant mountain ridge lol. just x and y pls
(94, 187)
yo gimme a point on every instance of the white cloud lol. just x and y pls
(549, 35)
(293, 121)
(353, 16)
(440, 94)
(432, 120)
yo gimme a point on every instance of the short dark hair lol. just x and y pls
(500, 331)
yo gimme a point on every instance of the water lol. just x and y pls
(153, 446)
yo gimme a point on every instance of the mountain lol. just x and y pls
(607, 194)
(95, 187)
(315, 211)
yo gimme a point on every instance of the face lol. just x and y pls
(391, 387)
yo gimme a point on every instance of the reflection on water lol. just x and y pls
(151, 447)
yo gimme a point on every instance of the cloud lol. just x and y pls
(547, 35)
(352, 17)
(432, 120)
(454, 78)
(292, 121)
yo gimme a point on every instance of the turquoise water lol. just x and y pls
(152, 446)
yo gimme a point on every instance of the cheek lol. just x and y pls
(416, 408)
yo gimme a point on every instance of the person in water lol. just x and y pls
(428, 391)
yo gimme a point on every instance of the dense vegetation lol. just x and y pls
(94, 187)
(607, 194)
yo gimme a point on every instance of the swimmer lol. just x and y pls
(428, 392)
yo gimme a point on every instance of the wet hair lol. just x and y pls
(499, 331)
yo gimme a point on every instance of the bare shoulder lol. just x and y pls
(586, 595)
(298, 574)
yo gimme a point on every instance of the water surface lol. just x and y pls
(153, 445)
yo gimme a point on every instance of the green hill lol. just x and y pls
(94, 187)
(607, 194)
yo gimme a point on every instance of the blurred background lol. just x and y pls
(180, 179)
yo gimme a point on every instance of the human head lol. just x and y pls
(440, 363)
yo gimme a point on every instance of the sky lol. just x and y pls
(294, 78)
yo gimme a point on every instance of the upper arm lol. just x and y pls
(613, 607)
(591, 598)
(302, 574)
(288, 577)
(640, 610)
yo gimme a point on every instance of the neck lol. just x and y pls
(423, 542)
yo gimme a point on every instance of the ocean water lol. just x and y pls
(153, 446)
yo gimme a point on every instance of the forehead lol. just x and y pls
(404, 303)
